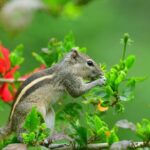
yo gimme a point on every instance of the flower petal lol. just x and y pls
(101, 108)
(11, 72)
(4, 60)
(5, 94)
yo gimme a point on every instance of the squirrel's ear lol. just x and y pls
(74, 53)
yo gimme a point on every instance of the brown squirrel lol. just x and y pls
(44, 88)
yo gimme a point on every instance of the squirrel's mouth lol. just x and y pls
(92, 78)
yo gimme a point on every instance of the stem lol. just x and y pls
(96, 146)
(125, 40)
(124, 51)
(3, 80)
(116, 96)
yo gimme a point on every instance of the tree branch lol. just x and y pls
(4, 80)
(97, 146)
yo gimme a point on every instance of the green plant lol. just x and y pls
(143, 130)
(99, 131)
(35, 128)
(119, 87)
(56, 50)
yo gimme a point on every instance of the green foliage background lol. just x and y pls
(99, 28)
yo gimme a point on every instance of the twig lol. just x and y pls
(3, 80)
(97, 146)
(140, 144)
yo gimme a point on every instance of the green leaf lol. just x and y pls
(109, 90)
(95, 124)
(120, 77)
(33, 120)
(80, 134)
(143, 130)
(139, 79)
(119, 107)
(128, 91)
(16, 55)
(35, 128)
(38, 58)
(73, 109)
(69, 42)
(71, 11)
(129, 61)
(113, 137)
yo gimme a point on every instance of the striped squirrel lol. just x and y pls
(45, 87)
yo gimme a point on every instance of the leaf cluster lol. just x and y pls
(95, 131)
(56, 50)
(119, 86)
(100, 131)
(143, 130)
(35, 128)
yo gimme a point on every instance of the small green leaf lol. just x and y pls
(109, 90)
(129, 61)
(143, 130)
(113, 137)
(128, 91)
(69, 42)
(38, 58)
(33, 120)
(16, 55)
(119, 107)
(120, 77)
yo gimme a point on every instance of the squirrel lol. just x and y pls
(45, 87)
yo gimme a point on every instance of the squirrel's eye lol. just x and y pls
(90, 63)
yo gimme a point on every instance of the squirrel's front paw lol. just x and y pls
(102, 81)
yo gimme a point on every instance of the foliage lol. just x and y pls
(16, 55)
(79, 134)
(35, 128)
(143, 130)
(56, 50)
(119, 87)
(35, 132)
(95, 131)
(9, 140)
(99, 130)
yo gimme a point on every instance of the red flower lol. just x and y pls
(7, 72)
(7, 91)
(4, 60)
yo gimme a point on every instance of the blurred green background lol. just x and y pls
(99, 28)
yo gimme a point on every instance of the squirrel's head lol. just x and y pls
(82, 65)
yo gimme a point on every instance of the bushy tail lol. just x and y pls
(4, 132)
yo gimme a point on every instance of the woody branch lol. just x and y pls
(4, 80)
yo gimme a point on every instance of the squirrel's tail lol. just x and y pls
(5, 131)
